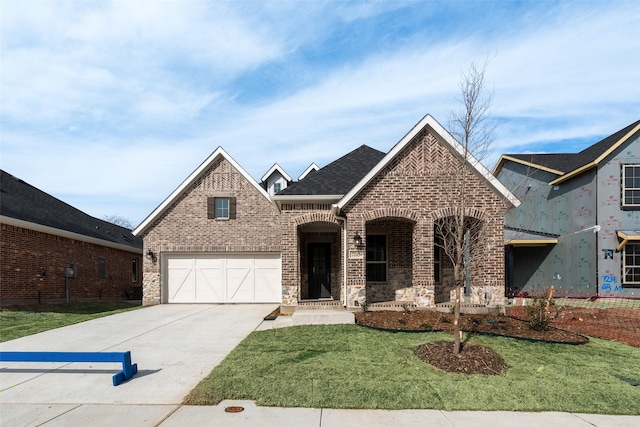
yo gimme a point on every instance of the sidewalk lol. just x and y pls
(252, 415)
(175, 347)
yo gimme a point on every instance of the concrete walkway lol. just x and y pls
(175, 346)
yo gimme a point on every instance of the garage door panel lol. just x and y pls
(240, 284)
(215, 278)
(181, 280)
(209, 280)
(268, 280)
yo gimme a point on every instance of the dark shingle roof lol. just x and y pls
(22, 201)
(338, 177)
(567, 162)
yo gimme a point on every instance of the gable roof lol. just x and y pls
(338, 177)
(569, 165)
(219, 152)
(23, 205)
(312, 168)
(274, 168)
(445, 138)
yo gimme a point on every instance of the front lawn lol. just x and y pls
(348, 366)
(20, 321)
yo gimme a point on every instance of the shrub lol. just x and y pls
(540, 311)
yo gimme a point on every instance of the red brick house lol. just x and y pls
(359, 230)
(42, 238)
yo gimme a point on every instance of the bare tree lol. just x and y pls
(118, 220)
(460, 235)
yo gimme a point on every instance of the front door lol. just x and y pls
(319, 270)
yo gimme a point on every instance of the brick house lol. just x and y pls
(578, 227)
(41, 237)
(359, 230)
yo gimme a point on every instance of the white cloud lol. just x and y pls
(121, 100)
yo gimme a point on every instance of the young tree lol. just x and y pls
(459, 235)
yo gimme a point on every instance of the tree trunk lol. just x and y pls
(457, 280)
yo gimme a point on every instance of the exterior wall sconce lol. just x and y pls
(151, 256)
(357, 239)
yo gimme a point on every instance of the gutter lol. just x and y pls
(335, 210)
(67, 234)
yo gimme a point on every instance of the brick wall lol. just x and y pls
(32, 268)
(417, 186)
(185, 227)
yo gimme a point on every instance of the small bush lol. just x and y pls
(407, 308)
(540, 312)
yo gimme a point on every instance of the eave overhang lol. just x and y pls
(66, 234)
(627, 236)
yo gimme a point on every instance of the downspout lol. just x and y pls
(335, 210)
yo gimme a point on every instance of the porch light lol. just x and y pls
(150, 255)
(357, 239)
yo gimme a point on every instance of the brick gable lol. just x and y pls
(184, 225)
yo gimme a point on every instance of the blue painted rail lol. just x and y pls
(128, 369)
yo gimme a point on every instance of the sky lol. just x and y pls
(110, 105)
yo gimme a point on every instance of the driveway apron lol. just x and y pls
(175, 346)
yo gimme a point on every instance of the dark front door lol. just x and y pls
(319, 270)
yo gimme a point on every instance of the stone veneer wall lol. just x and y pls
(185, 228)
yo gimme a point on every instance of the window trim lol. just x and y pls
(134, 270)
(636, 255)
(386, 258)
(437, 260)
(624, 188)
(277, 187)
(212, 210)
(102, 268)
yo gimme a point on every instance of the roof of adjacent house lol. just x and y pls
(568, 165)
(338, 177)
(25, 204)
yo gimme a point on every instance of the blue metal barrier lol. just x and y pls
(128, 369)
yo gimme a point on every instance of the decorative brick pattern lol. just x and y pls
(185, 228)
(415, 187)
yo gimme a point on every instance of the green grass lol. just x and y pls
(20, 321)
(347, 366)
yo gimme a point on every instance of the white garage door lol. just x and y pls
(219, 278)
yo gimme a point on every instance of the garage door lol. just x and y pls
(220, 278)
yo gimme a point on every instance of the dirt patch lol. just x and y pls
(473, 359)
(430, 320)
(616, 324)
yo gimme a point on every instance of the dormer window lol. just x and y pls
(631, 186)
(277, 187)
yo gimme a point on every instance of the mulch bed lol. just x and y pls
(473, 359)
(621, 325)
(431, 320)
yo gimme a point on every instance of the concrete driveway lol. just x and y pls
(175, 346)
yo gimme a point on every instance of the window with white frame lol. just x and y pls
(631, 264)
(277, 187)
(631, 186)
(376, 258)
